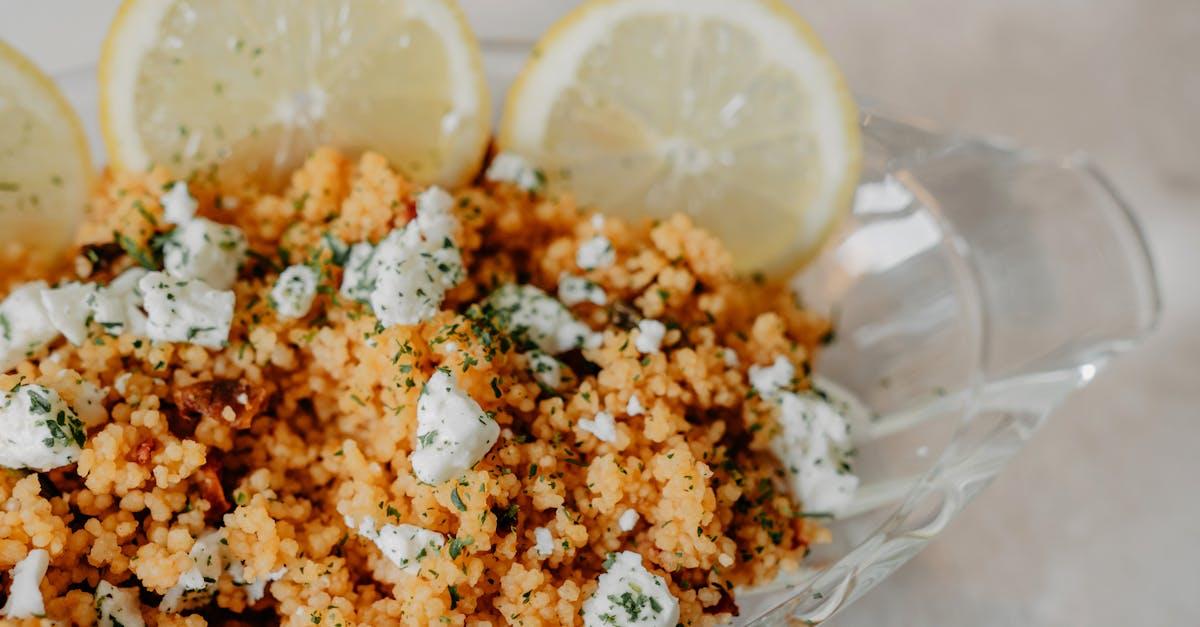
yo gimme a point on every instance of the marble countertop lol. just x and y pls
(1094, 523)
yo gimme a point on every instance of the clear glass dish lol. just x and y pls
(988, 285)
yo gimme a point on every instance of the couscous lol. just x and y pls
(358, 402)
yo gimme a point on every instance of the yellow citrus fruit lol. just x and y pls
(728, 110)
(45, 167)
(258, 84)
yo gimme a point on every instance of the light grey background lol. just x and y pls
(1098, 522)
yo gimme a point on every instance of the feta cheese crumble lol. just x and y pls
(407, 545)
(411, 269)
(530, 313)
(546, 370)
(117, 307)
(507, 167)
(357, 280)
(405, 290)
(186, 311)
(628, 594)
(25, 596)
(294, 291)
(178, 205)
(814, 444)
(205, 250)
(197, 585)
(769, 381)
(730, 357)
(594, 253)
(38, 430)
(604, 427)
(25, 325)
(573, 290)
(67, 308)
(628, 520)
(813, 440)
(404, 545)
(453, 432)
(634, 406)
(257, 589)
(118, 607)
(543, 542)
(650, 336)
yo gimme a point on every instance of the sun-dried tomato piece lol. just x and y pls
(210, 399)
(208, 482)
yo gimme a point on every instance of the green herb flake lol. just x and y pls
(458, 544)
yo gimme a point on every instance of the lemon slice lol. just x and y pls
(258, 85)
(728, 110)
(45, 167)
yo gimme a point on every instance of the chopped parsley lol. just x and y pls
(458, 544)
(145, 258)
(634, 602)
(457, 500)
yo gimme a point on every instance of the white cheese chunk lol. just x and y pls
(118, 607)
(628, 594)
(294, 291)
(357, 280)
(178, 205)
(546, 370)
(453, 432)
(198, 585)
(573, 290)
(434, 217)
(186, 311)
(634, 406)
(813, 441)
(730, 356)
(404, 545)
(257, 589)
(407, 545)
(438, 227)
(528, 312)
(25, 326)
(406, 290)
(38, 430)
(603, 426)
(205, 250)
(769, 381)
(413, 267)
(117, 307)
(25, 596)
(650, 336)
(67, 308)
(507, 167)
(543, 542)
(628, 520)
(814, 446)
(595, 252)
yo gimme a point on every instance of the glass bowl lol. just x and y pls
(973, 287)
